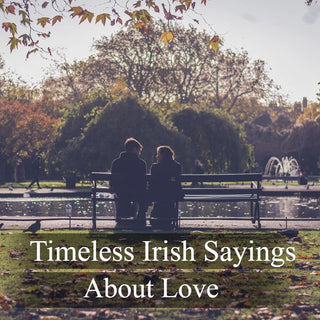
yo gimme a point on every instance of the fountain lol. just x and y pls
(284, 168)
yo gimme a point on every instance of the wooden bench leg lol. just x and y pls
(252, 214)
(94, 213)
(257, 214)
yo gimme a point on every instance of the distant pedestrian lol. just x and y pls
(198, 169)
(36, 168)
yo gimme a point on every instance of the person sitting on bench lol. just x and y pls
(129, 183)
(165, 188)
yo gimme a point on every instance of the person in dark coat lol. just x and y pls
(129, 183)
(165, 187)
(36, 167)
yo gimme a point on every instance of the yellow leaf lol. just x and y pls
(76, 11)
(103, 17)
(13, 43)
(139, 25)
(215, 43)
(86, 15)
(56, 19)
(166, 36)
(43, 21)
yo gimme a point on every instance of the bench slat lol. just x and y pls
(239, 177)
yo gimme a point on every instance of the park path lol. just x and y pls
(47, 223)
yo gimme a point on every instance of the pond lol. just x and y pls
(291, 207)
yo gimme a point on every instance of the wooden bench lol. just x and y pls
(246, 188)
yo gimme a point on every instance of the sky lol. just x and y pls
(282, 33)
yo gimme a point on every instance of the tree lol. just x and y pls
(37, 18)
(154, 71)
(76, 82)
(310, 113)
(184, 71)
(303, 143)
(232, 76)
(93, 146)
(25, 131)
(216, 140)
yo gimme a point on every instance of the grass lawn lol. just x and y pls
(253, 290)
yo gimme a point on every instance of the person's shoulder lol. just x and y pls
(116, 161)
(177, 164)
(154, 167)
(141, 161)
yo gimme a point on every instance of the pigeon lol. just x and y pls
(34, 227)
(10, 187)
(1, 225)
(52, 188)
(289, 233)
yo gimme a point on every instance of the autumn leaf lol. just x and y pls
(43, 21)
(25, 20)
(14, 42)
(187, 3)
(166, 37)
(10, 9)
(31, 51)
(16, 253)
(44, 35)
(102, 17)
(6, 26)
(181, 8)
(215, 43)
(150, 3)
(76, 11)
(86, 15)
(25, 39)
(56, 19)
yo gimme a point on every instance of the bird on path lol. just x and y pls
(10, 187)
(289, 233)
(34, 227)
(1, 225)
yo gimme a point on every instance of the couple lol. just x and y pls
(129, 183)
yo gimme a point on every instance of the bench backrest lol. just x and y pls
(254, 179)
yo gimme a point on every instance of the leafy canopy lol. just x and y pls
(29, 21)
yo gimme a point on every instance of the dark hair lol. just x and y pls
(132, 143)
(167, 152)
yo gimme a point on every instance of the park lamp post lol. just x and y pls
(68, 212)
